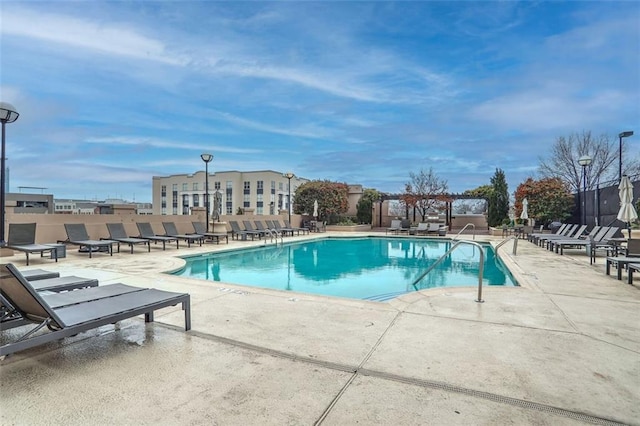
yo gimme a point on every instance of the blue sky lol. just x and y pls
(113, 93)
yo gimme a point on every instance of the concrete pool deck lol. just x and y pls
(562, 349)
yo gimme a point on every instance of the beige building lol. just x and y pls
(261, 192)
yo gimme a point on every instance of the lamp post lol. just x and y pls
(207, 159)
(8, 114)
(584, 161)
(289, 176)
(622, 135)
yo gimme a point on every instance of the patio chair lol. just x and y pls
(405, 226)
(236, 232)
(551, 244)
(281, 229)
(38, 274)
(73, 319)
(433, 227)
(630, 269)
(568, 232)
(248, 226)
(171, 231)
(146, 232)
(295, 228)
(117, 233)
(201, 229)
(558, 245)
(22, 237)
(395, 226)
(536, 235)
(77, 235)
(422, 228)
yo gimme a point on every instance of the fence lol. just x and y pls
(602, 204)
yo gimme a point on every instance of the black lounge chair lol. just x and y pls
(22, 237)
(77, 235)
(38, 274)
(236, 232)
(73, 319)
(248, 226)
(171, 231)
(266, 231)
(10, 316)
(201, 229)
(630, 268)
(146, 232)
(281, 229)
(295, 228)
(117, 233)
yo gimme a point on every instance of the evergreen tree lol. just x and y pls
(499, 199)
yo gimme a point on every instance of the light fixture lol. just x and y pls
(207, 159)
(622, 135)
(8, 114)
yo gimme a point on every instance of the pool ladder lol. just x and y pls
(506, 240)
(463, 229)
(453, 247)
(273, 234)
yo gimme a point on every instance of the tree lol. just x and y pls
(549, 199)
(604, 152)
(365, 205)
(498, 199)
(483, 191)
(425, 192)
(332, 197)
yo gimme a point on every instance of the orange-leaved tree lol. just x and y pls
(548, 199)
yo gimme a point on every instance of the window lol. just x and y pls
(229, 184)
(195, 186)
(260, 184)
(259, 198)
(216, 185)
(280, 186)
(247, 198)
(185, 186)
(259, 210)
(174, 187)
(196, 200)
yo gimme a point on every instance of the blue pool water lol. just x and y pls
(369, 268)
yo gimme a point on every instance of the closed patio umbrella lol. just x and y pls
(315, 208)
(525, 213)
(627, 212)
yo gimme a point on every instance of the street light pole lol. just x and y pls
(622, 135)
(584, 161)
(289, 176)
(8, 114)
(207, 159)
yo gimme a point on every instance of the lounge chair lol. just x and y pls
(434, 227)
(551, 244)
(73, 319)
(422, 228)
(117, 233)
(281, 229)
(568, 232)
(295, 228)
(171, 231)
(395, 226)
(146, 232)
(249, 228)
(77, 235)
(236, 232)
(22, 237)
(405, 226)
(38, 274)
(11, 318)
(536, 235)
(201, 229)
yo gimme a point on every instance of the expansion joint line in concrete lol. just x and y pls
(359, 370)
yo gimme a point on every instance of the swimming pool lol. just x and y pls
(371, 268)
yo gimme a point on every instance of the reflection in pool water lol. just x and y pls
(371, 268)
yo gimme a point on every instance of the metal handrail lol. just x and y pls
(273, 234)
(465, 227)
(453, 247)
(515, 243)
